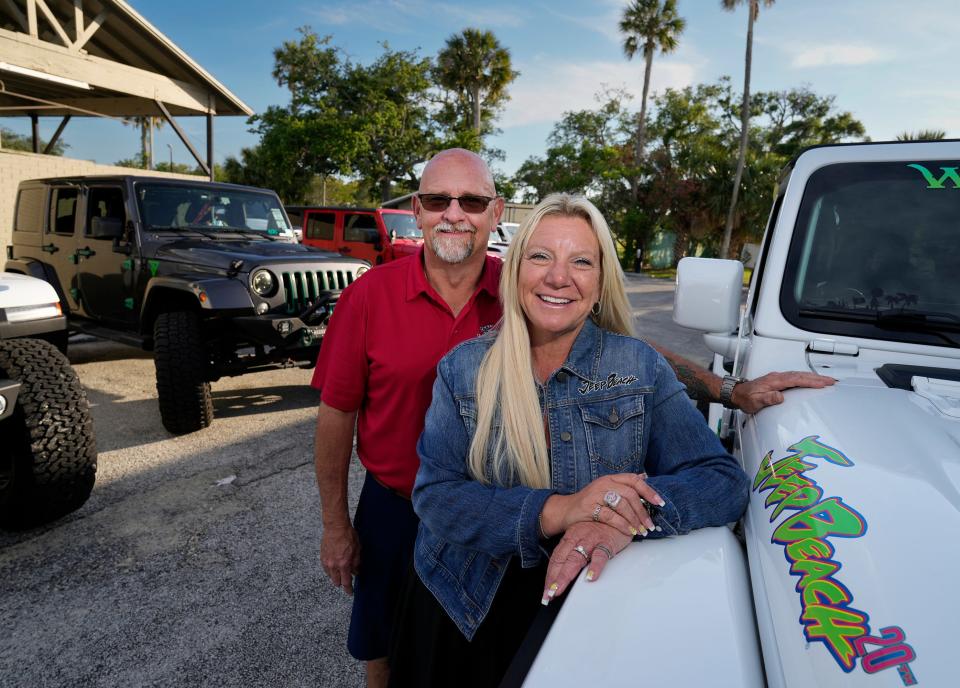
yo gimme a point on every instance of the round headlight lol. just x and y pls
(362, 269)
(262, 282)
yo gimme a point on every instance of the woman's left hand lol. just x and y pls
(583, 543)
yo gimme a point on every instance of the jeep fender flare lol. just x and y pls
(171, 292)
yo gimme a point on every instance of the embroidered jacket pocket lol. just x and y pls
(614, 431)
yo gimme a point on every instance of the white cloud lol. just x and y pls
(547, 88)
(837, 54)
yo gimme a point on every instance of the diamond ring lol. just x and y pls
(596, 512)
(579, 549)
(611, 499)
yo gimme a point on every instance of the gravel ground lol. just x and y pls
(194, 563)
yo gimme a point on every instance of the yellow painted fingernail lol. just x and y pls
(590, 575)
(553, 590)
(633, 531)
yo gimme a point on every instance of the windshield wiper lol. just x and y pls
(243, 230)
(933, 323)
(928, 322)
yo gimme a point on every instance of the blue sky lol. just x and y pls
(889, 62)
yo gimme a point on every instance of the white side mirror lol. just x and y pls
(708, 294)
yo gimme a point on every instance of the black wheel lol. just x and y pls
(48, 460)
(183, 389)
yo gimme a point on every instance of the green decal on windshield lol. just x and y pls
(949, 173)
(272, 232)
(154, 266)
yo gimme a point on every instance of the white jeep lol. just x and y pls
(845, 575)
(48, 456)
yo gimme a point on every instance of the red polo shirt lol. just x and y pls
(380, 353)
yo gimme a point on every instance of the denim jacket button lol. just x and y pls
(614, 416)
(561, 376)
(566, 436)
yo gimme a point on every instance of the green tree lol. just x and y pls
(386, 105)
(753, 11)
(10, 140)
(474, 71)
(648, 26)
(343, 118)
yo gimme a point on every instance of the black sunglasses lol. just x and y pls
(470, 203)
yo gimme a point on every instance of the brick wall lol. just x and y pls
(16, 166)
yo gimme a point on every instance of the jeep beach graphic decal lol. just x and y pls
(826, 604)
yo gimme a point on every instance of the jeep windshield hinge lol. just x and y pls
(829, 346)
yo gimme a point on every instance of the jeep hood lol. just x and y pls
(851, 528)
(221, 253)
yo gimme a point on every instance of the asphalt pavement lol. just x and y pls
(195, 561)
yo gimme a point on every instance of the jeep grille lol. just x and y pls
(303, 287)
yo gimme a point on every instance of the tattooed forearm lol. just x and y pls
(696, 387)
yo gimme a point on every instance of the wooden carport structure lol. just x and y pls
(100, 58)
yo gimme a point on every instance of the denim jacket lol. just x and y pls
(615, 406)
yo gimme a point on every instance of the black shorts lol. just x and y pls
(387, 528)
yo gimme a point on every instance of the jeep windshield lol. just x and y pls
(210, 210)
(876, 252)
(405, 225)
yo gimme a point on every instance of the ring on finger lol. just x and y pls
(581, 550)
(612, 499)
(605, 550)
(596, 512)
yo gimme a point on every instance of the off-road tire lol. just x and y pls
(48, 455)
(183, 389)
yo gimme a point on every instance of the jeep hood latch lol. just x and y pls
(829, 346)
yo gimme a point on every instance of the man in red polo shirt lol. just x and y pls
(376, 368)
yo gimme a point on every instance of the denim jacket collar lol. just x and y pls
(584, 358)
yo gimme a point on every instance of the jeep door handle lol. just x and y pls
(50, 248)
(86, 252)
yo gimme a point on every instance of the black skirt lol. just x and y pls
(427, 649)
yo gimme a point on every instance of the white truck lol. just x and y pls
(843, 573)
(48, 455)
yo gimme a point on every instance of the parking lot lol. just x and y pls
(195, 560)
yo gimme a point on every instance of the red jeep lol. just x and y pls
(377, 235)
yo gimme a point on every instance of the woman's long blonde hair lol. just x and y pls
(506, 378)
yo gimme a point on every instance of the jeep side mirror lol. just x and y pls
(708, 294)
(393, 235)
(106, 227)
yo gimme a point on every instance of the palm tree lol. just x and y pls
(922, 135)
(752, 14)
(648, 25)
(474, 66)
(146, 124)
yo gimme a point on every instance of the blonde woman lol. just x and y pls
(560, 423)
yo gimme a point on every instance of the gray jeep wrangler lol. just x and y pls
(48, 456)
(200, 273)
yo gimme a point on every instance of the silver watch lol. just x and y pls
(726, 390)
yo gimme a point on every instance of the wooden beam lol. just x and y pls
(77, 20)
(32, 17)
(24, 51)
(183, 137)
(35, 130)
(210, 164)
(56, 135)
(18, 15)
(54, 23)
(91, 29)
